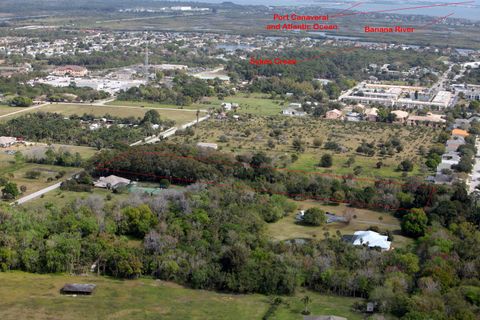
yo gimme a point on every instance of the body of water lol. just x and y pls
(465, 11)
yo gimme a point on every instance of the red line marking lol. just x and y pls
(435, 21)
(432, 188)
(407, 8)
(351, 7)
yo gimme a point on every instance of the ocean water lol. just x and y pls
(466, 11)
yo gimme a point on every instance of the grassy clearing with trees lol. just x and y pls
(32, 176)
(361, 219)
(363, 149)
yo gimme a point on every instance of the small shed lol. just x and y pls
(78, 288)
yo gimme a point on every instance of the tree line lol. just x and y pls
(53, 127)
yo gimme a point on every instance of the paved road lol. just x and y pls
(472, 181)
(169, 132)
(37, 194)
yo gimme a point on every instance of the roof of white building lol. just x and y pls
(208, 145)
(7, 140)
(372, 239)
(442, 97)
(112, 180)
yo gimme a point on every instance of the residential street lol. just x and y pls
(473, 181)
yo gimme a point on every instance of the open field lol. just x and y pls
(36, 296)
(254, 103)
(287, 228)
(153, 105)
(6, 109)
(275, 135)
(179, 116)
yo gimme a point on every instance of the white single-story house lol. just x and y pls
(295, 105)
(227, 106)
(207, 145)
(293, 112)
(372, 239)
(7, 141)
(111, 182)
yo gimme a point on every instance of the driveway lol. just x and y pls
(37, 194)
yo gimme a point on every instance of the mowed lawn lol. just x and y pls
(179, 116)
(287, 227)
(34, 296)
(6, 109)
(153, 105)
(253, 103)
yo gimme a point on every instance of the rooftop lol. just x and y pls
(372, 239)
(78, 288)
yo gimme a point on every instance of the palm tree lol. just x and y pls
(306, 301)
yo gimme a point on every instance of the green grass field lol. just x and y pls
(254, 103)
(179, 116)
(153, 105)
(33, 296)
(309, 163)
(6, 109)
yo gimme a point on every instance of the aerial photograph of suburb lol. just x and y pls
(239, 159)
